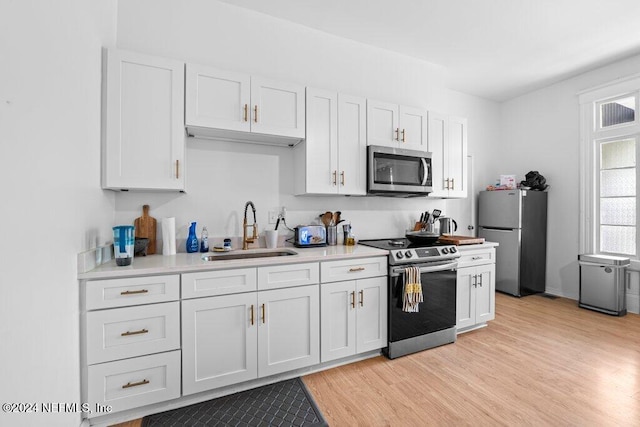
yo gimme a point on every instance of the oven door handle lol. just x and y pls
(396, 271)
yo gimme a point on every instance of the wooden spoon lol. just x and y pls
(336, 217)
(326, 218)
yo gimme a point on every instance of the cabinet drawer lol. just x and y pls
(131, 383)
(219, 282)
(335, 271)
(132, 331)
(131, 291)
(477, 257)
(284, 276)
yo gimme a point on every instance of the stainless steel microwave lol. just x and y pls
(398, 172)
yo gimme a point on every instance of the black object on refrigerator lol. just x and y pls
(517, 220)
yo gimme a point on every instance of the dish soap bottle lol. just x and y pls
(204, 240)
(192, 240)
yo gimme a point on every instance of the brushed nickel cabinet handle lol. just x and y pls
(177, 169)
(128, 333)
(480, 283)
(255, 113)
(141, 291)
(397, 131)
(475, 281)
(403, 136)
(446, 184)
(354, 269)
(263, 321)
(334, 177)
(342, 178)
(361, 298)
(246, 112)
(252, 319)
(453, 185)
(353, 299)
(129, 385)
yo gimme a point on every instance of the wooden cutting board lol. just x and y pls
(461, 240)
(146, 227)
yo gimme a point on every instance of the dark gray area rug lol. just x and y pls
(287, 403)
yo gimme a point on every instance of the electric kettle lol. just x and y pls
(447, 225)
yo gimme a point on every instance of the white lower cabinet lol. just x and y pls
(354, 317)
(130, 383)
(229, 339)
(476, 285)
(131, 341)
(353, 301)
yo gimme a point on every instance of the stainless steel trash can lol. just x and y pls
(602, 283)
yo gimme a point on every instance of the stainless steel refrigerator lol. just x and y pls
(517, 220)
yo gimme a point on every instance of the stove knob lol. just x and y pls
(445, 250)
(453, 250)
(408, 254)
(399, 255)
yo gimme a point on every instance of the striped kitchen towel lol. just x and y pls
(412, 294)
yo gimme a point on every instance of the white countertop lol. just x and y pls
(184, 262)
(477, 246)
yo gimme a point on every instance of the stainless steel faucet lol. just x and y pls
(246, 240)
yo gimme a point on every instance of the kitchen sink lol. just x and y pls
(249, 255)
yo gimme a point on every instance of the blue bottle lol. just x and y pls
(192, 240)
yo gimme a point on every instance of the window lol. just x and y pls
(609, 151)
(617, 196)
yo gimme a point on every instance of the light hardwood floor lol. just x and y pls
(541, 362)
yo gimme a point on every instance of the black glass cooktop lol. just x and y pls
(397, 243)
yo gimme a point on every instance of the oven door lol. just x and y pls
(436, 313)
(399, 171)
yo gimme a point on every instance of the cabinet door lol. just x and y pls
(277, 108)
(456, 154)
(321, 157)
(219, 341)
(371, 314)
(216, 98)
(144, 114)
(485, 293)
(438, 132)
(413, 128)
(288, 329)
(352, 145)
(382, 123)
(337, 320)
(465, 298)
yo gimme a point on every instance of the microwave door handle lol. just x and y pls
(425, 169)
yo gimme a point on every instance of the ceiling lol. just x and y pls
(496, 49)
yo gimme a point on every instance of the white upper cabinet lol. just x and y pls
(332, 160)
(395, 125)
(352, 145)
(448, 147)
(278, 108)
(236, 106)
(143, 129)
(217, 98)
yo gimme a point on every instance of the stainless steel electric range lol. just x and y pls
(435, 322)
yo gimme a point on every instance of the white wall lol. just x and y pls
(223, 176)
(541, 131)
(53, 206)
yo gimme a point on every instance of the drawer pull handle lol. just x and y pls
(354, 269)
(141, 331)
(476, 258)
(263, 317)
(129, 385)
(141, 291)
(252, 318)
(361, 298)
(353, 299)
